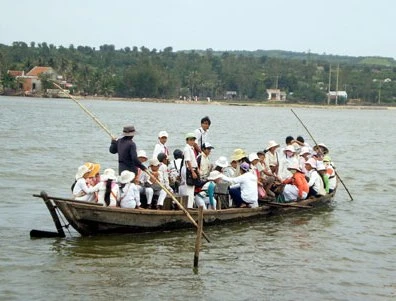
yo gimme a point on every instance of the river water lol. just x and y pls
(344, 252)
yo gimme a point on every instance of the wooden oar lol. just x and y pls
(313, 139)
(113, 137)
(43, 234)
(179, 205)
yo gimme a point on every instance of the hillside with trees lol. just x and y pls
(151, 73)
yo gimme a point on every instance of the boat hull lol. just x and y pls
(91, 219)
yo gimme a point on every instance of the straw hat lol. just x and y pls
(271, 144)
(163, 134)
(128, 130)
(94, 170)
(253, 156)
(126, 177)
(81, 171)
(109, 174)
(221, 162)
(238, 154)
(214, 175)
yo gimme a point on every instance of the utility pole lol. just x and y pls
(338, 71)
(328, 95)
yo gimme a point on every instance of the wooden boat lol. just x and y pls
(91, 218)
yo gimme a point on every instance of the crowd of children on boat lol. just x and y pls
(292, 173)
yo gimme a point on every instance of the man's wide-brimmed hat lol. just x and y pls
(253, 156)
(271, 144)
(126, 177)
(238, 154)
(128, 130)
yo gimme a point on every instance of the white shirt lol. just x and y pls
(160, 148)
(284, 163)
(202, 136)
(164, 175)
(82, 192)
(175, 169)
(316, 182)
(130, 196)
(248, 184)
(189, 155)
(114, 194)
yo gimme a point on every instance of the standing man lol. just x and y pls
(201, 134)
(126, 149)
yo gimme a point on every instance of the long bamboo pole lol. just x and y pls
(180, 206)
(113, 137)
(313, 139)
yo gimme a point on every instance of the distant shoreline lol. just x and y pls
(223, 102)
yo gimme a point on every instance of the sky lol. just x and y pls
(337, 27)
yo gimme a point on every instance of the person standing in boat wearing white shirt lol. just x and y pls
(161, 147)
(191, 166)
(201, 134)
(244, 193)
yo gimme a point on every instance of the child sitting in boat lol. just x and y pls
(108, 188)
(316, 186)
(81, 191)
(130, 196)
(151, 184)
(296, 187)
(205, 197)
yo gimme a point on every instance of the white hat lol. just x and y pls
(289, 148)
(207, 145)
(253, 156)
(154, 162)
(271, 144)
(82, 170)
(215, 174)
(222, 162)
(126, 176)
(312, 162)
(142, 154)
(295, 166)
(304, 150)
(109, 174)
(163, 134)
